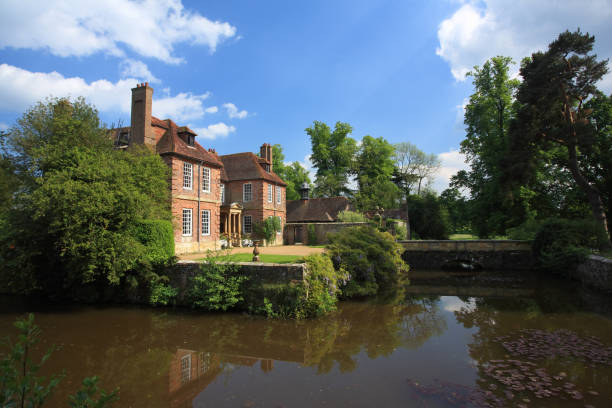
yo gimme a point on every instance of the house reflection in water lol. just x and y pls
(192, 371)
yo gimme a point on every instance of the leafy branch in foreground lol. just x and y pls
(21, 387)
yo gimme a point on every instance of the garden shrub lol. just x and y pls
(157, 236)
(561, 244)
(217, 287)
(371, 258)
(315, 296)
(267, 229)
(312, 235)
(397, 227)
(526, 231)
(162, 294)
(351, 216)
(428, 217)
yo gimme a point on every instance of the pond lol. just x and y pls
(450, 342)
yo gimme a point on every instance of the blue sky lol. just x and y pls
(242, 73)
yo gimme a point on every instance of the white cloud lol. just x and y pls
(19, 89)
(150, 28)
(137, 69)
(452, 161)
(181, 107)
(213, 131)
(233, 111)
(517, 28)
(211, 109)
(3, 126)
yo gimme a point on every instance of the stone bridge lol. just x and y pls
(476, 254)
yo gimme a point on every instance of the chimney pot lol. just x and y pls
(137, 85)
(146, 84)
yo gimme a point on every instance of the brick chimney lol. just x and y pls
(265, 151)
(142, 101)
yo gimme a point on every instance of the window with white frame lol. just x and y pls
(205, 222)
(186, 369)
(186, 222)
(187, 176)
(248, 224)
(222, 193)
(278, 195)
(206, 179)
(280, 223)
(247, 192)
(270, 193)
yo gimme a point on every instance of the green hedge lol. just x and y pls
(158, 238)
(561, 244)
(371, 258)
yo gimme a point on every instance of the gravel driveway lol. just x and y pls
(300, 250)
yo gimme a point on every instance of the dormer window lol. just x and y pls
(187, 135)
(266, 167)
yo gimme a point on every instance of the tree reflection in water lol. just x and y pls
(375, 330)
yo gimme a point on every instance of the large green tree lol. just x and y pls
(553, 114)
(73, 219)
(598, 163)
(487, 119)
(412, 167)
(332, 155)
(374, 170)
(294, 174)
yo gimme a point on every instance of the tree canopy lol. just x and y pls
(293, 174)
(557, 84)
(374, 169)
(487, 119)
(73, 217)
(332, 156)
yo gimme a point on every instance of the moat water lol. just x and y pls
(454, 340)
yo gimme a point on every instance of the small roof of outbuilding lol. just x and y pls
(316, 209)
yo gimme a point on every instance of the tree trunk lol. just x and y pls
(597, 208)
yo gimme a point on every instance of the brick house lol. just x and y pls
(210, 194)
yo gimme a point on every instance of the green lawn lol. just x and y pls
(459, 237)
(262, 258)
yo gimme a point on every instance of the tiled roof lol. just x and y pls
(158, 122)
(245, 166)
(170, 142)
(316, 209)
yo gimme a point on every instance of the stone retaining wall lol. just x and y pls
(183, 271)
(595, 272)
(486, 254)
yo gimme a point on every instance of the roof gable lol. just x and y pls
(246, 166)
(171, 142)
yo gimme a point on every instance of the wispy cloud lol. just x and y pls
(137, 69)
(214, 131)
(451, 162)
(150, 28)
(233, 112)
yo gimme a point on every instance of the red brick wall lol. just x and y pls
(258, 208)
(185, 198)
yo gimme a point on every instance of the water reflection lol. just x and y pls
(362, 355)
(330, 342)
